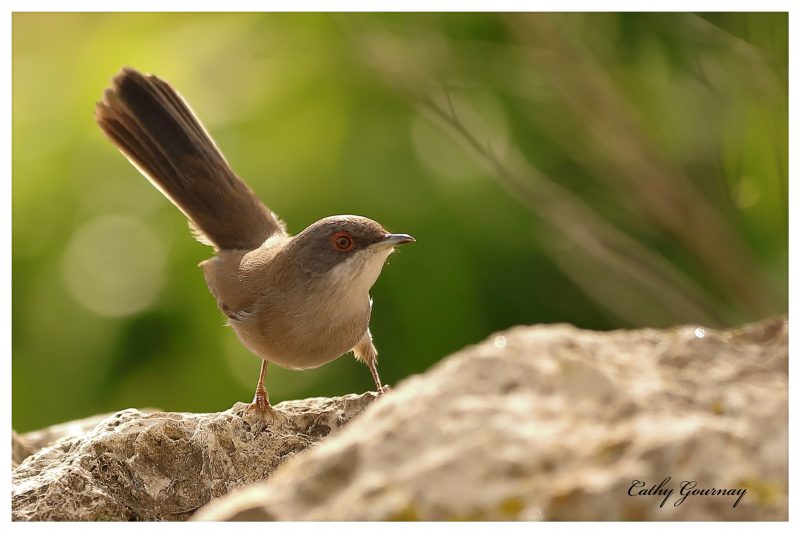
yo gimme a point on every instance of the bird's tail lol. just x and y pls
(158, 133)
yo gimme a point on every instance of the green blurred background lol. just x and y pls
(606, 170)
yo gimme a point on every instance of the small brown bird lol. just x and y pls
(298, 301)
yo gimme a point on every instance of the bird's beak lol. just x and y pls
(393, 239)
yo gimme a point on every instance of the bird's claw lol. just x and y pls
(261, 407)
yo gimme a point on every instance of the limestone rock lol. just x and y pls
(162, 466)
(553, 423)
(36, 440)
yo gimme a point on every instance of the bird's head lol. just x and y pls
(345, 250)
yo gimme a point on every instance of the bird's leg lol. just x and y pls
(260, 402)
(366, 352)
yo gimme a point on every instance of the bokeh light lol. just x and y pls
(114, 265)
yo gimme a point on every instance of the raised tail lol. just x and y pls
(158, 133)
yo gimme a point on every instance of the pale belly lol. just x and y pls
(303, 344)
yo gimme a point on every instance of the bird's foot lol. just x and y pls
(261, 407)
(385, 389)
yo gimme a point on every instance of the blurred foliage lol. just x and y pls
(607, 170)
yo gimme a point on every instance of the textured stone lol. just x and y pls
(555, 423)
(544, 422)
(20, 449)
(162, 466)
(36, 440)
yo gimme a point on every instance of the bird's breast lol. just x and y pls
(308, 334)
(288, 316)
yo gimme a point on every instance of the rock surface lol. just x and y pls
(161, 466)
(33, 441)
(537, 423)
(555, 423)
(20, 448)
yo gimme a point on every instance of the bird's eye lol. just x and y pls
(342, 241)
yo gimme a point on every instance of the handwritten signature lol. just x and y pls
(687, 488)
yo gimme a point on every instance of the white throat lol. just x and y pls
(356, 276)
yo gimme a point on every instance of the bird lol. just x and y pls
(298, 301)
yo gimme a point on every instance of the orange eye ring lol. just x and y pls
(342, 241)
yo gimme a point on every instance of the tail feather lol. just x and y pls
(155, 129)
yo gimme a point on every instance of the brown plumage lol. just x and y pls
(156, 130)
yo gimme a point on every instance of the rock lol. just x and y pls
(544, 422)
(162, 466)
(20, 449)
(555, 423)
(36, 440)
